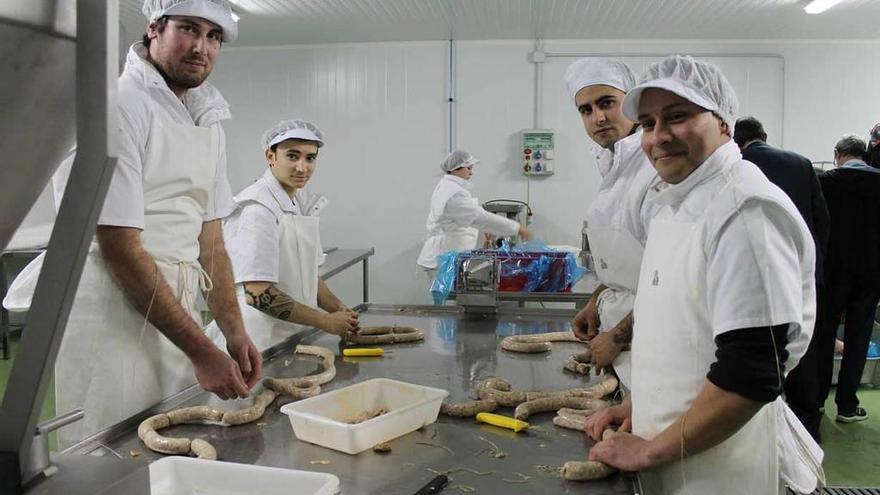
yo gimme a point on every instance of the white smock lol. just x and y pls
(170, 179)
(617, 226)
(728, 250)
(454, 220)
(273, 238)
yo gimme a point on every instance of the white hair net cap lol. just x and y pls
(592, 71)
(458, 159)
(699, 82)
(217, 11)
(292, 129)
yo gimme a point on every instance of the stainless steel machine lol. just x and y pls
(59, 66)
(518, 211)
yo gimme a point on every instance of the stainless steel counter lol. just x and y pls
(458, 350)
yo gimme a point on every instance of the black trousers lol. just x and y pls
(860, 302)
(802, 385)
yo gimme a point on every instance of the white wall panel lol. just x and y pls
(382, 107)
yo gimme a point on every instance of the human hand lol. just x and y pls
(218, 373)
(586, 323)
(624, 451)
(245, 353)
(340, 322)
(620, 414)
(603, 350)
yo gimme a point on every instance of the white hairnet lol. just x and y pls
(699, 82)
(217, 11)
(458, 159)
(592, 71)
(292, 129)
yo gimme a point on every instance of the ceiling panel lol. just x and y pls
(285, 22)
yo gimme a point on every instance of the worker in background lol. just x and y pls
(618, 217)
(852, 271)
(456, 216)
(724, 307)
(134, 336)
(873, 158)
(794, 174)
(275, 246)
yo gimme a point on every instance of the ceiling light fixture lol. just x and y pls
(819, 6)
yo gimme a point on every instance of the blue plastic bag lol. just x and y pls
(444, 280)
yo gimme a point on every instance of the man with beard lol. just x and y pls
(724, 308)
(134, 335)
(617, 221)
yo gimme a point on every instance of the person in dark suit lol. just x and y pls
(794, 174)
(852, 272)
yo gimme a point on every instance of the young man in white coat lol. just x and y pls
(725, 306)
(617, 221)
(275, 246)
(134, 336)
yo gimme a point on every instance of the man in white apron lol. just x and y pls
(275, 247)
(134, 335)
(617, 222)
(725, 305)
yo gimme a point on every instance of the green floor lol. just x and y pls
(852, 451)
(48, 411)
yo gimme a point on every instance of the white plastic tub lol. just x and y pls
(189, 476)
(322, 419)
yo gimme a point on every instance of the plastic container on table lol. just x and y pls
(188, 476)
(324, 419)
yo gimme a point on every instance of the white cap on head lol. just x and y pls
(592, 71)
(292, 129)
(458, 159)
(699, 82)
(217, 11)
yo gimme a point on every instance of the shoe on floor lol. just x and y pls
(859, 414)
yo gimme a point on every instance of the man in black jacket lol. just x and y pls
(794, 174)
(852, 265)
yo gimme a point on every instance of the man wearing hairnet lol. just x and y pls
(134, 336)
(725, 306)
(456, 215)
(619, 215)
(275, 246)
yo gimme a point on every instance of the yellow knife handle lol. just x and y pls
(363, 352)
(502, 421)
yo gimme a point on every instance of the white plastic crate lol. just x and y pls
(322, 419)
(189, 476)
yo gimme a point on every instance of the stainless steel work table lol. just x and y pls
(339, 259)
(458, 350)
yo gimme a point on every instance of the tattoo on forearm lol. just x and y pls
(623, 334)
(272, 301)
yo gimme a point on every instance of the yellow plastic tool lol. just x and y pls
(363, 352)
(502, 421)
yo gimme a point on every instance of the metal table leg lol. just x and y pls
(366, 280)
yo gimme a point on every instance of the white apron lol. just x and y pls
(616, 256)
(443, 238)
(111, 362)
(672, 350)
(300, 254)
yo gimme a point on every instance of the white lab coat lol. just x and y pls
(169, 180)
(454, 220)
(273, 238)
(617, 225)
(728, 250)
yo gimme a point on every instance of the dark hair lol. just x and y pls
(748, 129)
(874, 156)
(160, 26)
(851, 145)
